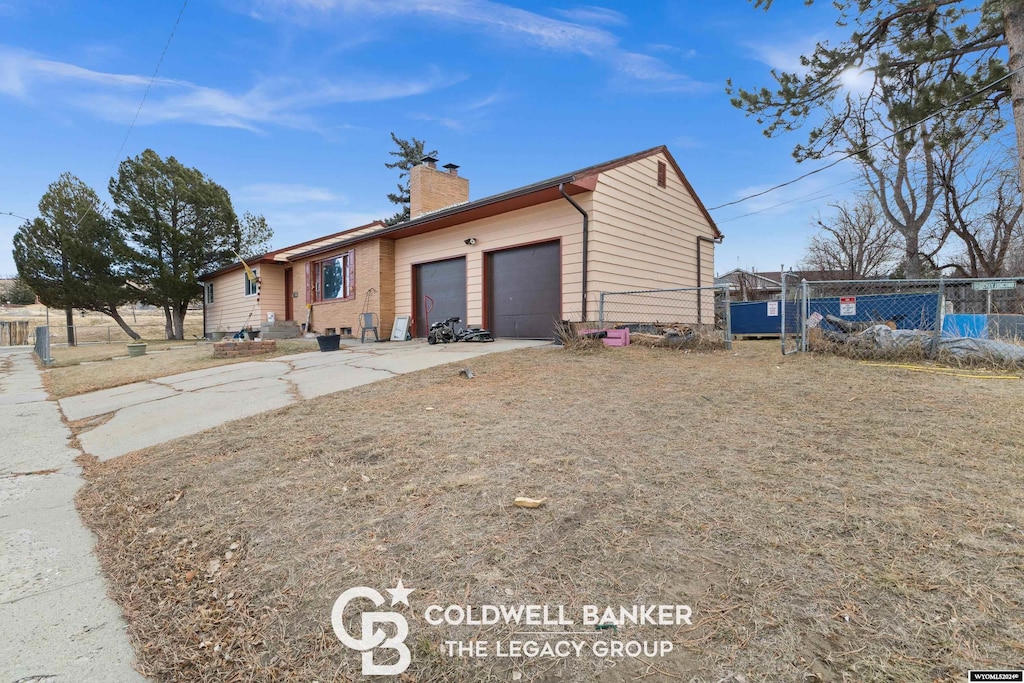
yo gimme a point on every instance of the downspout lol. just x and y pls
(700, 281)
(586, 230)
(203, 283)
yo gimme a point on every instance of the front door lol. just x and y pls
(289, 301)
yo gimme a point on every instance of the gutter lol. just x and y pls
(700, 280)
(586, 230)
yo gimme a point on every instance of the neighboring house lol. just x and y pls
(514, 262)
(748, 285)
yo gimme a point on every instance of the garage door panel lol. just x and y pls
(524, 290)
(445, 283)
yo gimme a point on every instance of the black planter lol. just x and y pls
(329, 342)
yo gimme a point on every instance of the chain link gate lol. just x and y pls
(792, 314)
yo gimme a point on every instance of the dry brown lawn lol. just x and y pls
(826, 520)
(80, 369)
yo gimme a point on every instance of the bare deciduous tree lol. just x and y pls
(857, 241)
(981, 207)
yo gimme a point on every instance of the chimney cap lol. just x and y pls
(428, 160)
(450, 166)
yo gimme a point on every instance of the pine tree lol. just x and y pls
(409, 153)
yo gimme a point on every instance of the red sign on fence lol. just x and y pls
(847, 305)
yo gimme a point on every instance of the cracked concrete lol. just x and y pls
(159, 410)
(56, 621)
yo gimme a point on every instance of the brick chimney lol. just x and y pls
(432, 190)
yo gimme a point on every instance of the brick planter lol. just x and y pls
(238, 349)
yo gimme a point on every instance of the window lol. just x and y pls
(209, 292)
(251, 287)
(333, 278)
(662, 170)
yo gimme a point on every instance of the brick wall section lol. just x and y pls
(241, 349)
(431, 190)
(374, 269)
(386, 287)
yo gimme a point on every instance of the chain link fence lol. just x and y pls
(792, 314)
(42, 345)
(113, 334)
(687, 317)
(960, 321)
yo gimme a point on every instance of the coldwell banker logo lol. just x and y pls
(372, 638)
(597, 623)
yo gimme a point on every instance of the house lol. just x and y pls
(748, 285)
(514, 262)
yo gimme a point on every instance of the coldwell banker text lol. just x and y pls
(555, 615)
(550, 644)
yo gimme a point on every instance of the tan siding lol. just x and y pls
(231, 308)
(645, 237)
(272, 293)
(550, 221)
(339, 314)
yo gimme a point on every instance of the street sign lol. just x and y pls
(999, 284)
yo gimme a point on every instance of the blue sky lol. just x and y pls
(289, 103)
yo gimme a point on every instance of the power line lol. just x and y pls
(872, 145)
(795, 200)
(149, 86)
(11, 213)
(152, 79)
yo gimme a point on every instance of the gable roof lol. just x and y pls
(284, 254)
(575, 182)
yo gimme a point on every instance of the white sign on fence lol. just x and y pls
(847, 305)
(773, 309)
(1001, 284)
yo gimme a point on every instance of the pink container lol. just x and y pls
(617, 338)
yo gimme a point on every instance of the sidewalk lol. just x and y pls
(56, 621)
(134, 416)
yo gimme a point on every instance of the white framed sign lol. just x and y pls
(401, 328)
(773, 309)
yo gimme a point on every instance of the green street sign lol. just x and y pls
(1001, 284)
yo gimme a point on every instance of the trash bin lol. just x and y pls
(329, 342)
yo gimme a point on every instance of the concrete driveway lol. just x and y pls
(144, 414)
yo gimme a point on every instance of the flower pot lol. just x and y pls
(329, 342)
(217, 336)
(137, 349)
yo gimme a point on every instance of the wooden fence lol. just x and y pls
(15, 333)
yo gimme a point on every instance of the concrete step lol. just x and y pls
(280, 329)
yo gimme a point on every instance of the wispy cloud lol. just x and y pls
(644, 71)
(464, 116)
(688, 53)
(686, 142)
(287, 193)
(279, 101)
(292, 226)
(785, 56)
(446, 121)
(590, 14)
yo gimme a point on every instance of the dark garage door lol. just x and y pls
(445, 283)
(524, 291)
